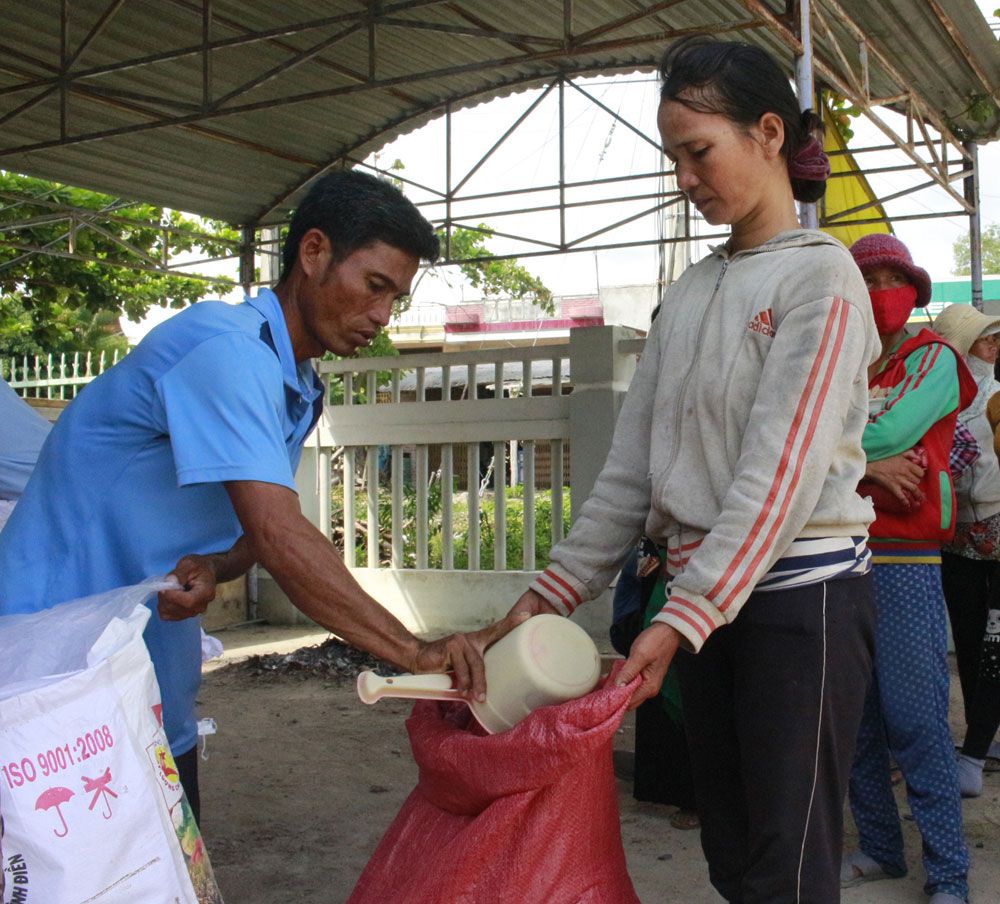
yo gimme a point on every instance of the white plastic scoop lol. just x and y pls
(543, 661)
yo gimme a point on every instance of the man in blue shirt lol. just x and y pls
(182, 457)
(24, 432)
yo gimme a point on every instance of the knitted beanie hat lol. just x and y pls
(881, 250)
(960, 325)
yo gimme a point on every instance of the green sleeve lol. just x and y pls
(927, 393)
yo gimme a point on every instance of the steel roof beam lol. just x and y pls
(568, 205)
(249, 37)
(342, 155)
(66, 60)
(871, 221)
(286, 66)
(548, 56)
(104, 262)
(509, 37)
(608, 27)
(890, 70)
(107, 214)
(839, 83)
(536, 189)
(496, 145)
(913, 189)
(956, 36)
(616, 117)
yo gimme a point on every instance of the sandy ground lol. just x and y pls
(302, 780)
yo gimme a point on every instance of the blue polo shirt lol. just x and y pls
(131, 478)
(22, 434)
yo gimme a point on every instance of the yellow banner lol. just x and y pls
(847, 192)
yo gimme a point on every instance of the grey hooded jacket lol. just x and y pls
(740, 432)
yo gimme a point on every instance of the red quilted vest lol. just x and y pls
(934, 520)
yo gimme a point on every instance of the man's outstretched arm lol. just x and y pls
(314, 577)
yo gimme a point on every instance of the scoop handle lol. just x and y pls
(372, 687)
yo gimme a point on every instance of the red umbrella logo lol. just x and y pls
(55, 797)
(99, 788)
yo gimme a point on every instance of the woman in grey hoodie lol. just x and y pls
(738, 450)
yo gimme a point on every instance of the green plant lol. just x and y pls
(70, 301)
(843, 113)
(515, 530)
(460, 526)
(990, 241)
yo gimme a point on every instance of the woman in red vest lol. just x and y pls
(917, 386)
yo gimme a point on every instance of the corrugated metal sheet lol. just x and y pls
(309, 99)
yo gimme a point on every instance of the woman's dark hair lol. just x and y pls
(741, 82)
(354, 210)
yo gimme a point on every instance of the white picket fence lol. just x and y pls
(438, 417)
(512, 421)
(55, 376)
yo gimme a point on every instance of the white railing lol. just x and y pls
(486, 311)
(434, 413)
(431, 409)
(55, 376)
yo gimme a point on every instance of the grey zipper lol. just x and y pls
(675, 440)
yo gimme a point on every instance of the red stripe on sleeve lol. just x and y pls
(838, 307)
(555, 592)
(576, 596)
(685, 547)
(799, 464)
(674, 598)
(687, 620)
(922, 371)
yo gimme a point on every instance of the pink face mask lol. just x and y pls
(892, 308)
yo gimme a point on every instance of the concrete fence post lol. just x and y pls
(600, 374)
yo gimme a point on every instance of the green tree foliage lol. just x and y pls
(67, 329)
(843, 112)
(51, 303)
(991, 252)
(495, 277)
(460, 526)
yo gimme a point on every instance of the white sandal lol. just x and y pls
(857, 868)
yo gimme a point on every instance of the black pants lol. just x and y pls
(971, 590)
(662, 765)
(662, 762)
(187, 769)
(772, 704)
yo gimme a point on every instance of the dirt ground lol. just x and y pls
(302, 780)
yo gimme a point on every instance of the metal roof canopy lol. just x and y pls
(229, 109)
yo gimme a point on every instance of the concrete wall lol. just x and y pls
(431, 603)
(630, 306)
(229, 606)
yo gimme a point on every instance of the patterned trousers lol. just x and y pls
(906, 715)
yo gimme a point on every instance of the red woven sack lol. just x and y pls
(529, 815)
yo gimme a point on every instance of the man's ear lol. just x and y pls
(770, 131)
(314, 252)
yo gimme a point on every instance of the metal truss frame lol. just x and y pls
(927, 142)
(78, 219)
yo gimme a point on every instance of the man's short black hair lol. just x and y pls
(354, 210)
